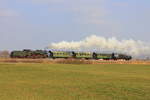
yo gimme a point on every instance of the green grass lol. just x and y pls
(74, 82)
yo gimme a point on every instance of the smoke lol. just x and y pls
(102, 44)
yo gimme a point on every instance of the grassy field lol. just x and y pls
(20, 81)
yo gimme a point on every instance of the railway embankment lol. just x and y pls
(73, 61)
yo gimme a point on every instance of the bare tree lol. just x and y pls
(4, 54)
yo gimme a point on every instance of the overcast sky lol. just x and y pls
(35, 24)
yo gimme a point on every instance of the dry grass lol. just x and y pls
(72, 61)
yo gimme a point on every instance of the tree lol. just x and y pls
(4, 54)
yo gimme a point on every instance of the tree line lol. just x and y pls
(4, 54)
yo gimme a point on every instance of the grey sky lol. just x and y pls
(36, 23)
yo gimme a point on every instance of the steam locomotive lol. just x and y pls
(27, 53)
(67, 54)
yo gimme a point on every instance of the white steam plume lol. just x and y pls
(101, 44)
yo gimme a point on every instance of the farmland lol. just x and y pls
(45, 81)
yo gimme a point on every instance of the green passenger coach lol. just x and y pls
(85, 55)
(60, 54)
(104, 56)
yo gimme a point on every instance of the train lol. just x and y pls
(35, 54)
